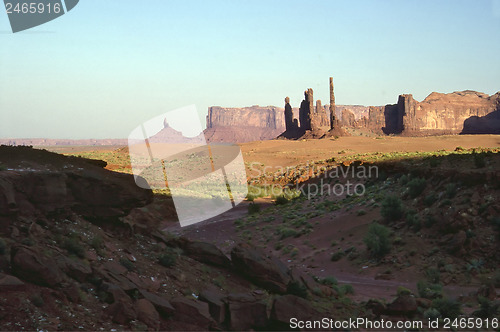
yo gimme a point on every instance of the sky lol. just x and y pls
(105, 67)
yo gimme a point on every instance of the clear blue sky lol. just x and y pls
(107, 66)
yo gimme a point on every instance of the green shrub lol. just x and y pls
(391, 209)
(281, 200)
(403, 180)
(403, 291)
(434, 162)
(361, 212)
(487, 309)
(346, 289)
(413, 220)
(447, 307)
(285, 232)
(432, 314)
(430, 199)
(377, 240)
(72, 245)
(329, 281)
(336, 256)
(168, 258)
(297, 288)
(416, 187)
(97, 242)
(433, 275)
(253, 208)
(127, 264)
(429, 291)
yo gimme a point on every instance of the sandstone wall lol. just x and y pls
(261, 117)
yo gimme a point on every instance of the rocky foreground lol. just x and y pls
(80, 249)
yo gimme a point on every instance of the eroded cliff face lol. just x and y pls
(445, 113)
(467, 112)
(239, 125)
(261, 117)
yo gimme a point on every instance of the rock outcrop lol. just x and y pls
(464, 112)
(238, 125)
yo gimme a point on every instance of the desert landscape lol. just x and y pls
(250, 165)
(84, 248)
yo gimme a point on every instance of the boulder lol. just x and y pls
(74, 268)
(147, 313)
(161, 304)
(193, 312)
(403, 305)
(377, 307)
(206, 253)
(216, 305)
(30, 265)
(246, 312)
(10, 283)
(288, 306)
(121, 312)
(267, 272)
(114, 293)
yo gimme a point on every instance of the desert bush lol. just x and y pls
(428, 290)
(377, 240)
(329, 281)
(97, 242)
(168, 258)
(430, 199)
(433, 275)
(487, 308)
(447, 307)
(432, 314)
(413, 220)
(281, 200)
(251, 197)
(391, 209)
(403, 291)
(403, 180)
(253, 208)
(285, 232)
(434, 162)
(297, 288)
(336, 256)
(72, 245)
(346, 289)
(127, 264)
(416, 186)
(361, 212)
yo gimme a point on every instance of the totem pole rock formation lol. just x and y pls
(332, 105)
(291, 124)
(306, 110)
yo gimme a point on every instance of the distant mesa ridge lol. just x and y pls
(460, 112)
